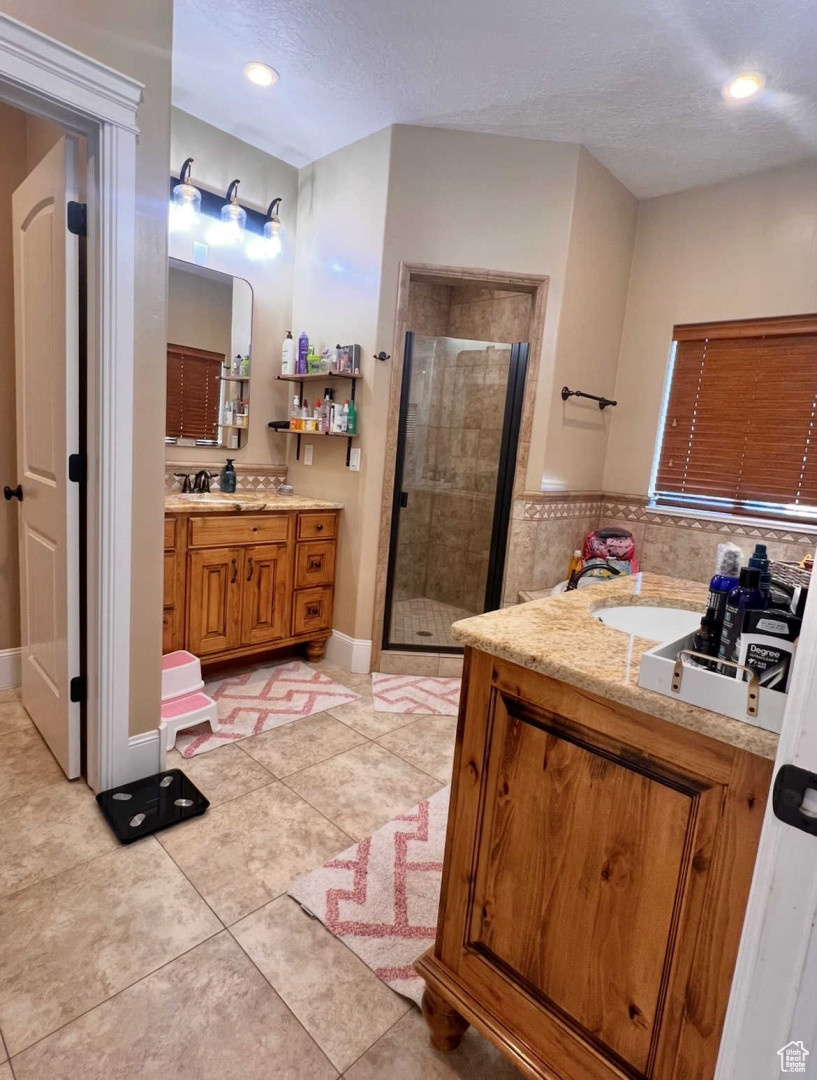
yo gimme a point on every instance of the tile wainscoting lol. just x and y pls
(546, 529)
(249, 477)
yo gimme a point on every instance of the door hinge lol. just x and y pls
(77, 468)
(78, 688)
(77, 218)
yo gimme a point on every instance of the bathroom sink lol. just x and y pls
(656, 623)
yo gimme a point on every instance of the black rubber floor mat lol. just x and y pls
(146, 806)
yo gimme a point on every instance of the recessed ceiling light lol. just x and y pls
(744, 86)
(261, 74)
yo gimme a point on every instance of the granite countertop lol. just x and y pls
(216, 502)
(559, 636)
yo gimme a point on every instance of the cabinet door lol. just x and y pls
(266, 586)
(214, 606)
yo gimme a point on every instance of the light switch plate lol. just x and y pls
(354, 459)
(308, 454)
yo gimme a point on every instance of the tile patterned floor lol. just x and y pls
(181, 955)
(424, 622)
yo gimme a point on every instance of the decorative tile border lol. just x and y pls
(249, 477)
(551, 506)
(635, 509)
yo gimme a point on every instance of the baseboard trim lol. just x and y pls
(11, 668)
(144, 758)
(352, 654)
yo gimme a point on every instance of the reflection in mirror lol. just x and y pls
(209, 326)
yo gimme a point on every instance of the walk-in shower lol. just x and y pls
(460, 410)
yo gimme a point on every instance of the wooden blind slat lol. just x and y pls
(193, 393)
(741, 420)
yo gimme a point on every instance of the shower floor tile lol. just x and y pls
(424, 622)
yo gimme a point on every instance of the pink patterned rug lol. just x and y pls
(261, 699)
(416, 694)
(380, 897)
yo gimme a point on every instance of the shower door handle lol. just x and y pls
(403, 499)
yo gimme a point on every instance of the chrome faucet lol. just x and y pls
(577, 575)
(201, 483)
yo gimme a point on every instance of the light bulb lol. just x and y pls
(260, 74)
(234, 221)
(743, 86)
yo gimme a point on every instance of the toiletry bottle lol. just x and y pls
(744, 597)
(344, 417)
(245, 366)
(303, 352)
(727, 569)
(351, 424)
(288, 355)
(236, 365)
(575, 564)
(759, 560)
(326, 412)
(228, 477)
(295, 414)
(706, 638)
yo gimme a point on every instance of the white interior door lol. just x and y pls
(46, 316)
(771, 1024)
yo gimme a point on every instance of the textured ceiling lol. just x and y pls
(636, 81)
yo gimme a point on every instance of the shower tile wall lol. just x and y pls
(454, 430)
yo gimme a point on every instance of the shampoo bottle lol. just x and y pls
(744, 597)
(303, 352)
(759, 560)
(727, 569)
(288, 355)
(351, 424)
(228, 477)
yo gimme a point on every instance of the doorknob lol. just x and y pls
(13, 493)
(794, 798)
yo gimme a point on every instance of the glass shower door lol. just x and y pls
(458, 428)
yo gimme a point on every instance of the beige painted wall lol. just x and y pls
(740, 249)
(219, 159)
(599, 254)
(463, 199)
(341, 225)
(136, 39)
(13, 170)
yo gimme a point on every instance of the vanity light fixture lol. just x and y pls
(233, 217)
(186, 204)
(260, 74)
(273, 230)
(745, 86)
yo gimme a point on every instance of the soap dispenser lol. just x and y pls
(228, 478)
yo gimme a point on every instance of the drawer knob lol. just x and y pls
(316, 563)
(319, 527)
(313, 610)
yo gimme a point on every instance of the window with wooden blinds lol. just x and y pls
(740, 430)
(193, 393)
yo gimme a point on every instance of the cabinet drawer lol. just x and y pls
(312, 610)
(170, 533)
(317, 526)
(215, 531)
(315, 563)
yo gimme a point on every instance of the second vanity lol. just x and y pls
(248, 573)
(600, 848)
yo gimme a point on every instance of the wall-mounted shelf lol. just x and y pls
(320, 375)
(235, 427)
(352, 376)
(234, 378)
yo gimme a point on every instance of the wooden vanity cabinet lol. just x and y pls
(240, 584)
(597, 868)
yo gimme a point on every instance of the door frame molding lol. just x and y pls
(534, 284)
(47, 78)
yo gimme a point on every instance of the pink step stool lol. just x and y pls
(183, 703)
